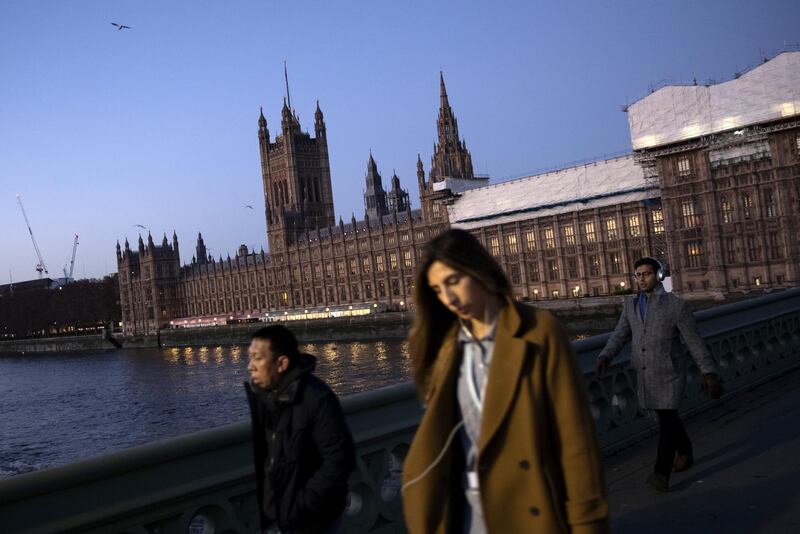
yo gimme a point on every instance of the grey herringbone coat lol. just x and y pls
(657, 347)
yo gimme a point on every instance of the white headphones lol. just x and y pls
(661, 273)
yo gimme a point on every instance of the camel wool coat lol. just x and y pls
(539, 464)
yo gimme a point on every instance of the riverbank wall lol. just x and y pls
(581, 317)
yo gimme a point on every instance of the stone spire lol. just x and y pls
(375, 195)
(451, 159)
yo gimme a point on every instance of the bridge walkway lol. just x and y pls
(746, 476)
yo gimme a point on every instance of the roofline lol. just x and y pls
(583, 200)
(628, 153)
(711, 83)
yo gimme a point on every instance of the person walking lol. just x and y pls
(507, 441)
(660, 325)
(303, 449)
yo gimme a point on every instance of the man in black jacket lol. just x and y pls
(304, 452)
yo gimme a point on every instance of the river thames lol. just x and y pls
(59, 408)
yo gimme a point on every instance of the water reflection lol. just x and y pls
(143, 395)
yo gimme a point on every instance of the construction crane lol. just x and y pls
(40, 267)
(68, 276)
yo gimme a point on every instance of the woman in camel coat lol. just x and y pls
(507, 442)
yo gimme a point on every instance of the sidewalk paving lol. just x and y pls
(746, 476)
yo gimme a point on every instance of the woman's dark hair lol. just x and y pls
(281, 339)
(461, 251)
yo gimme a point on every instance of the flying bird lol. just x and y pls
(120, 26)
(249, 206)
(141, 226)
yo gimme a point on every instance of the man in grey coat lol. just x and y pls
(660, 324)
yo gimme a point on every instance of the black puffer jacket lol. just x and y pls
(303, 450)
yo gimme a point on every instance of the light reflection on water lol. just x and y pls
(95, 403)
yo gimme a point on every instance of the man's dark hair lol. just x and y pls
(652, 262)
(281, 339)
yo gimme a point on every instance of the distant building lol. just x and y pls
(573, 232)
(712, 189)
(314, 262)
(726, 158)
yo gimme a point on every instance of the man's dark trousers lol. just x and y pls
(672, 438)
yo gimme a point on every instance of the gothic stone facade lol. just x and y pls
(313, 261)
(732, 209)
(720, 224)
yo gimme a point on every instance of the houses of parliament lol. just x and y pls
(713, 194)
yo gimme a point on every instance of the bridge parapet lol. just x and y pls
(203, 482)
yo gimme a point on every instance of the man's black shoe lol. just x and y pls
(658, 482)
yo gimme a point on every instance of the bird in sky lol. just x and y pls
(141, 226)
(249, 206)
(120, 26)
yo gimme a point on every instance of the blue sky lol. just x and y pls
(101, 129)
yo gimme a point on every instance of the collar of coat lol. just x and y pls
(507, 361)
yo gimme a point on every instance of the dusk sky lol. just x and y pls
(102, 130)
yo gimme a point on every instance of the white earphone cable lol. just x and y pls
(436, 461)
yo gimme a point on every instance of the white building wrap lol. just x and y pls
(672, 114)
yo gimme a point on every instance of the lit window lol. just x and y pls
(393, 261)
(549, 238)
(747, 204)
(694, 253)
(511, 241)
(379, 263)
(689, 213)
(658, 221)
(611, 229)
(530, 240)
(589, 233)
(407, 259)
(494, 244)
(684, 166)
(569, 235)
(366, 266)
(633, 226)
(727, 210)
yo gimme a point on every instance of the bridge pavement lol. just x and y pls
(746, 476)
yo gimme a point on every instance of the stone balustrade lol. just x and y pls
(204, 483)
